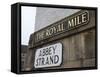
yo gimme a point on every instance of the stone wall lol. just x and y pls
(79, 48)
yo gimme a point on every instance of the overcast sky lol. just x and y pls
(28, 23)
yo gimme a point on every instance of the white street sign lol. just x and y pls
(48, 56)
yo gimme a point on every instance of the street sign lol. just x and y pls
(63, 25)
(48, 56)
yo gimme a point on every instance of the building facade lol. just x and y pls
(76, 33)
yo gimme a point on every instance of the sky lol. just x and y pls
(28, 23)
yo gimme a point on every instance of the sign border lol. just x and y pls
(61, 55)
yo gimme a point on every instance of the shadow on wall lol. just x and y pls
(23, 56)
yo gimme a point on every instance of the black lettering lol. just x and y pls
(56, 59)
(40, 54)
(54, 48)
(42, 61)
(51, 60)
(47, 51)
(47, 61)
(44, 50)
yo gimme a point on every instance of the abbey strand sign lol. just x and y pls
(63, 25)
(48, 56)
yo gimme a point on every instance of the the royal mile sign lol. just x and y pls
(78, 19)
